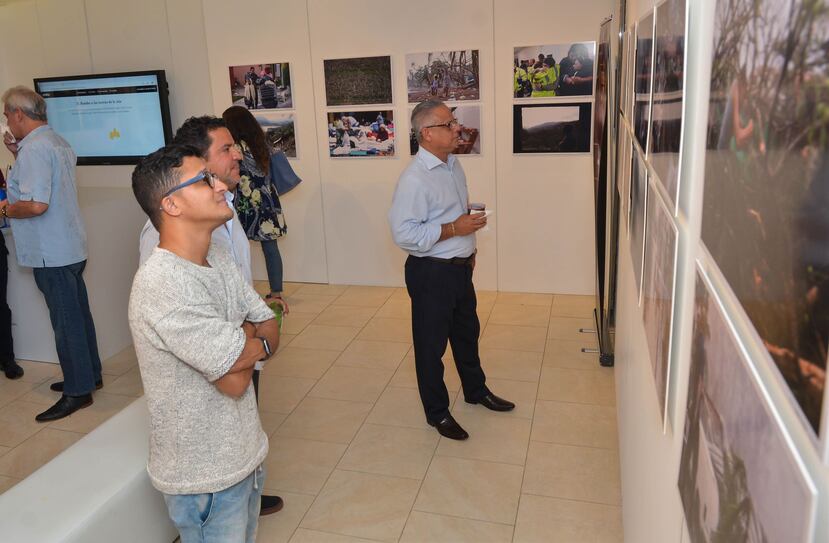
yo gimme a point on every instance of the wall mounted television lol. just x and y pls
(115, 118)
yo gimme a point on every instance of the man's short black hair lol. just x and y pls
(157, 173)
(195, 132)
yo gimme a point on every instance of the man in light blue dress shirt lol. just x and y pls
(50, 238)
(429, 219)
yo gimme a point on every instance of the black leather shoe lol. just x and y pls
(449, 428)
(12, 369)
(270, 504)
(65, 407)
(491, 401)
(58, 387)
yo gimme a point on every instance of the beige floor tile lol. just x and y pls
(282, 394)
(391, 450)
(484, 312)
(396, 309)
(12, 390)
(301, 465)
(567, 328)
(288, 288)
(486, 296)
(520, 315)
(552, 520)
(271, 421)
(345, 315)
(521, 393)
(573, 306)
(85, 420)
(515, 365)
(363, 505)
(384, 355)
(320, 336)
(42, 395)
(319, 419)
(575, 424)
(379, 329)
(492, 437)
(295, 322)
(365, 296)
(407, 377)
(517, 338)
(320, 288)
(7, 482)
(39, 449)
(128, 384)
(400, 294)
(17, 422)
(4, 450)
(568, 354)
(354, 384)
(295, 362)
(525, 298)
(579, 386)
(120, 363)
(309, 303)
(575, 473)
(313, 536)
(431, 528)
(471, 489)
(400, 406)
(37, 372)
(278, 528)
(284, 341)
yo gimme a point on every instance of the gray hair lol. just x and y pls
(422, 114)
(26, 100)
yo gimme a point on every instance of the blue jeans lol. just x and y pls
(228, 516)
(75, 340)
(273, 263)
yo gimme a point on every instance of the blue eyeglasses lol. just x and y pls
(204, 175)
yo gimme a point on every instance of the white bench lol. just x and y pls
(95, 491)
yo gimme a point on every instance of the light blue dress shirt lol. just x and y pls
(45, 172)
(429, 193)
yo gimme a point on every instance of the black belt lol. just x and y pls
(457, 261)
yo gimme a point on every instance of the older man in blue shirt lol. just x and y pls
(429, 220)
(49, 237)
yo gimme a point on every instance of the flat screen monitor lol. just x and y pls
(109, 118)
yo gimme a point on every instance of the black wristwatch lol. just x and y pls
(267, 347)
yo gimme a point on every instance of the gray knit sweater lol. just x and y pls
(186, 326)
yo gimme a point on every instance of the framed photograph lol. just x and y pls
(551, 128)
(739, 477)
(261, 86)
(356, 81)
(361, 134)
(280, 131)
(658, 293)
(766, 192)
(638, 217)
(443, 75)
(668, 94)
(623, 156)
(642, 78)
(469, 119)
(625, 92)
(544, 71)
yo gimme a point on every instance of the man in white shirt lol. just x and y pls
(222, 155)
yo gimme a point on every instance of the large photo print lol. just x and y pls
(279, 131)
(469, 122)
(766, 202)
(642, 80)
(738, 477)
(551, 128)
(443, 75)
(361, 134)
(355, 81)
(261, 86)
(544, 71)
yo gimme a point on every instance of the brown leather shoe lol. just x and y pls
(493, 402)
(270, 505)
(65, 407)
(449, 428)
(12, 369)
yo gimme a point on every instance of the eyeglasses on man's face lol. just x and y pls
(448, 124)
(203, 175)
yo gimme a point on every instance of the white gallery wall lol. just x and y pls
(541, 235)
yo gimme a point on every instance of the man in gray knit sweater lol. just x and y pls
(198, 330)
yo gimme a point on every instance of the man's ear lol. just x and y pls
(169, 207)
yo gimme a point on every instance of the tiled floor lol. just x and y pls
(351, 452)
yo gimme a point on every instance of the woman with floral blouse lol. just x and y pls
(256, 200)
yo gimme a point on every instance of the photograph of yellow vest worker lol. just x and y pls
(545, 71)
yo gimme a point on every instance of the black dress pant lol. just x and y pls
(443, 309)
(6, 344)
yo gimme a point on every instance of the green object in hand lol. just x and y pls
(277, 312)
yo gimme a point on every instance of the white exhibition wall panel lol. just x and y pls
(282, 38)
(357, 192)
(64, 36)
(546, 231)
